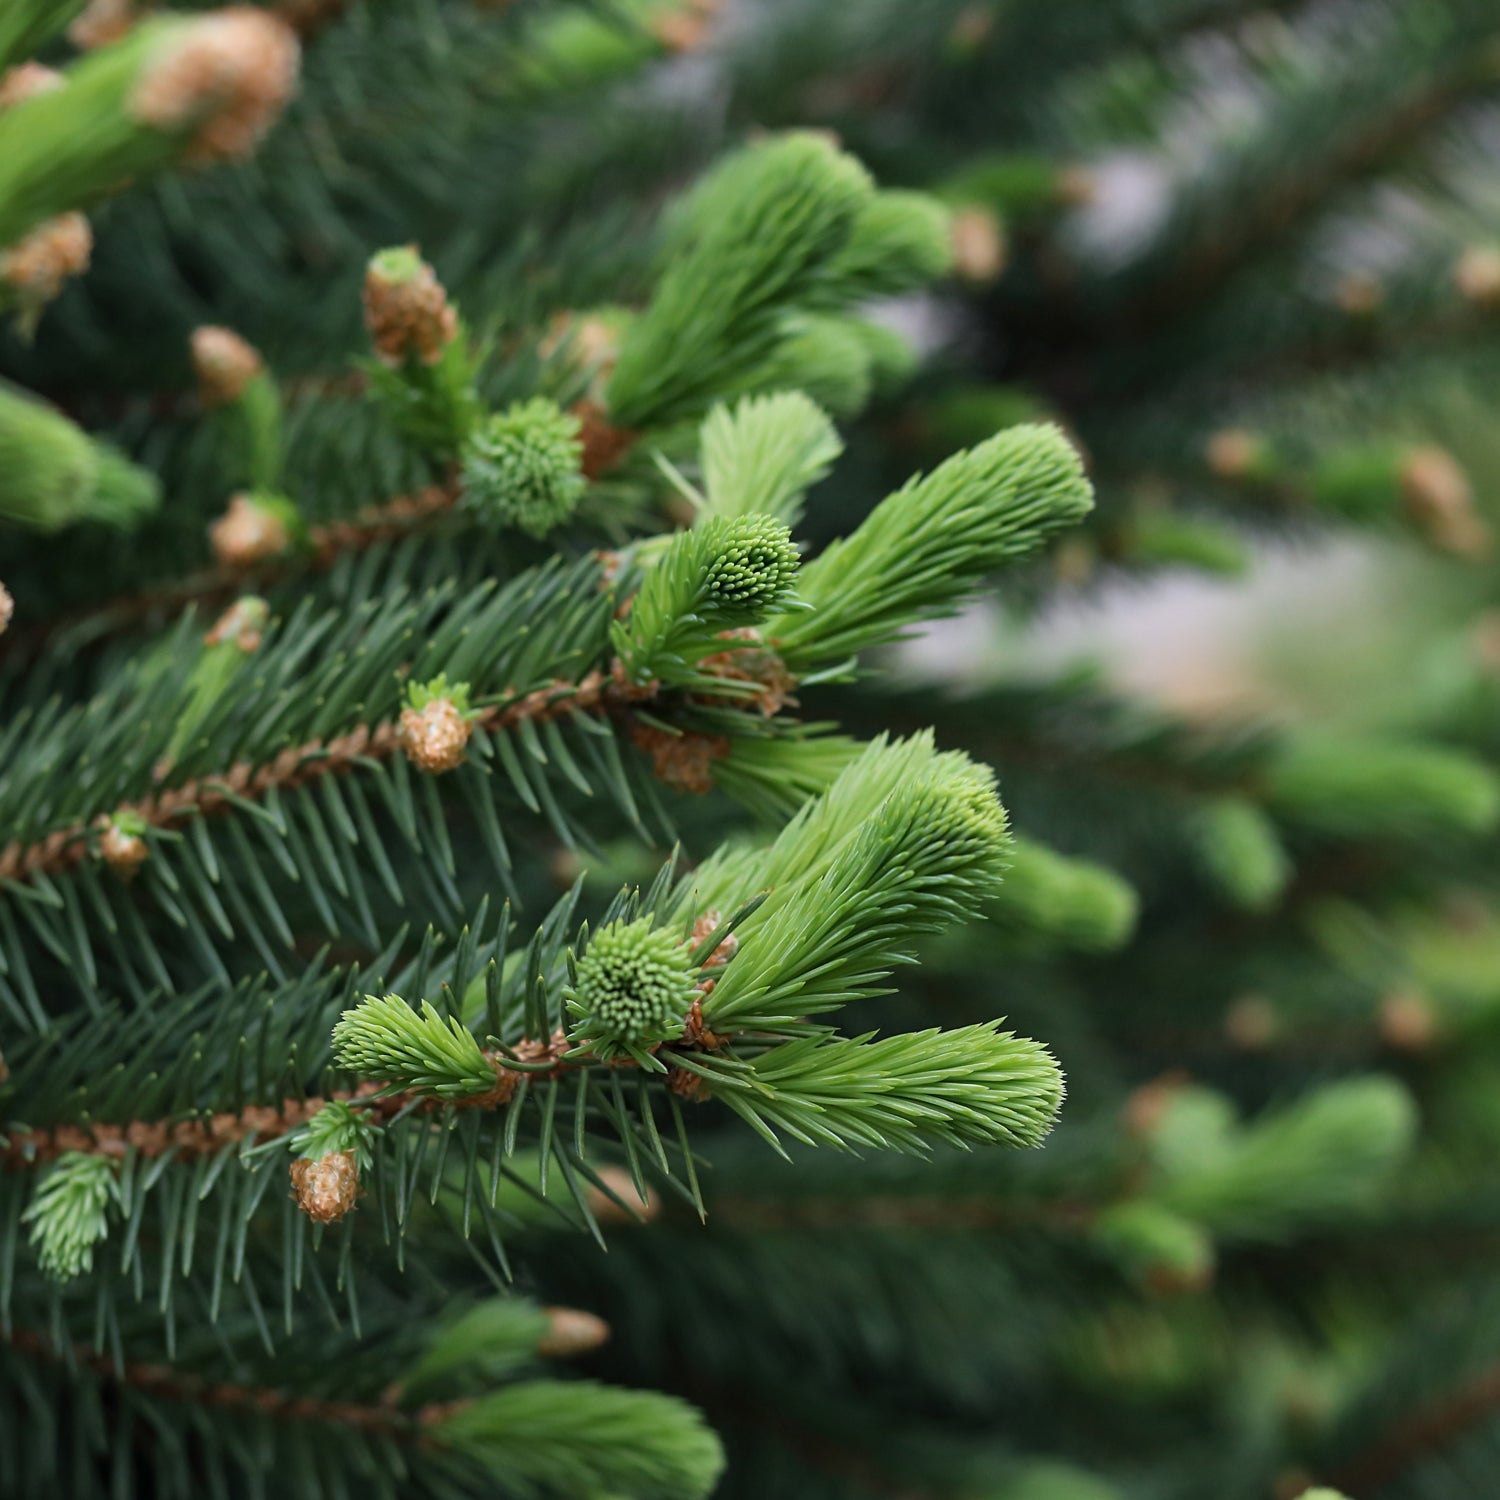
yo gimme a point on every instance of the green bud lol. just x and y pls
(52, 474)
(755, 566)
(523, 467)
(635, 984)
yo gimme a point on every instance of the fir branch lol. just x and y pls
(178, 1385)
(1426, 1431)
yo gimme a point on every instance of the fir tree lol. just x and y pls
(450, 797)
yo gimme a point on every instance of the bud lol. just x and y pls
(1359, 294)
(38, 264)
(224, 364)
(121, 846)
(523, 467)
(684, 27)
(103, 22)
(250, 531)
(406, 308)
(1407, 1022)
(327, 1187)
(622, 1185)
(1077, 187)
(978, 241)
(436, 724)
(1440, 501)
(244, 623)
(571, 1331)
(224, 78)
(1234, 453)
(25, 81)
(435, 737)
(703, 928)
(7, 608)
(1251, 1023)
(633, 988)
(1476, 275)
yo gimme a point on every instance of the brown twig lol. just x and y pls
(299, 765)
(1403, 1444)
(383, 1418)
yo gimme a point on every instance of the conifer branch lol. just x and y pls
(177, 1385)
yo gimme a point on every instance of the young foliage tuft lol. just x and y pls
(69, 1215)
(926, 548)
(522, 467)
(762, 455)
(386, 1040)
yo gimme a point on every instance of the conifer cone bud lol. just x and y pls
(703, 928)
(571, 1331)
(310, 15)
(1484, 639)
(972, 26)
(224, 364)
(7, 608)
(406, 308)
(327, 1187)
(244, 623)
(1145, 1106)
(123, 851)
(226, 77)
(978, 241)
(1077, 187)
(619, 1182)
(1359, 294)
(1476, 274)
(1407, 1022)
(102, 22)
(248, 533)
(1251, 1023)
(435, 736)
(25, 81)
(1233, 453)
(37, 265)
(685, 27)
(1440, 501)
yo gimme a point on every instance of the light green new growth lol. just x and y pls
(830, 357)
(601, 1441)
(901, 241)
(1368, 785)
(386, 1041)
(336, 1127)
(762, 455)
(905, 841)
(1155, 1244)
(52, 474)
(926, 548)
(1047, 895)
(1241, 851)
(26, 24)
(522, 467)
(974, 1085)
(728, 573)
(50, 165)
(69, 1213)
(760, 235)
(1316, 1160)
(490, 1341)
(634, 985)
(420, 694)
